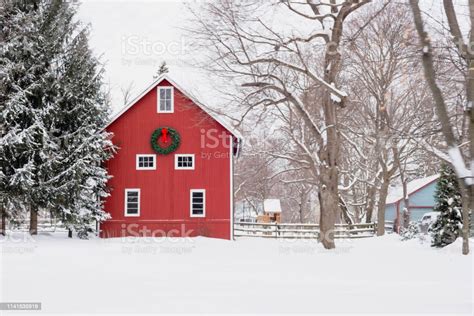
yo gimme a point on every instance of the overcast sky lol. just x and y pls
(134, 37)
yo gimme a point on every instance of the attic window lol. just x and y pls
(165, 100)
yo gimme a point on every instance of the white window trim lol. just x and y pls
(137, 159)
(125, 204)
(158, 99)
(203, 203)
(184, 155)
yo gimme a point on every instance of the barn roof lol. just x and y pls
(167, 77)
(396, 193)
(271, 206)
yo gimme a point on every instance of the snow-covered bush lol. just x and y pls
(411, 232)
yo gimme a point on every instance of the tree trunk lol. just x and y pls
(69, 233)
(470, 99)
(406, 208)
(406, 198)
(327, 219)
(345, 212)
(370, 204)
(33, 221)
(357, 207)
(3, 229)
(466, 202)
(381, 207)
(329, 205)
(303, 205)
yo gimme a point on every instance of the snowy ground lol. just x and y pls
(376, 275)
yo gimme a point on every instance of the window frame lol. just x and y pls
(126, 214)
(203, 191)
(158, 99)
(137, 162)
(176, 157)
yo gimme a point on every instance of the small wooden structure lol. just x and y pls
(271, 211)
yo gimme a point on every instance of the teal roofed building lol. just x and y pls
(420, 197)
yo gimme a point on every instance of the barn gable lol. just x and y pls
(223, 123)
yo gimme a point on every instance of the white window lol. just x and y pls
(185, 162)
(198, 203)
(132, 202)
(146, 162)
(165, 100)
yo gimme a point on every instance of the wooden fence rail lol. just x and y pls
(296, 230)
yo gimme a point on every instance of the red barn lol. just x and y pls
(173, 172)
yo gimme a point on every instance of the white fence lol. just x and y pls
(279, 230)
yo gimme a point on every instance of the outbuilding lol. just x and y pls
(420, 196)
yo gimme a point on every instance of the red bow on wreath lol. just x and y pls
(164, 134)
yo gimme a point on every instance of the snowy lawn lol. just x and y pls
(382, 275)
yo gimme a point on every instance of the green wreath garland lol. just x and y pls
(173, 134)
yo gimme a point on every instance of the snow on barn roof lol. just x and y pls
(271, 206)
(167, 77)
(396, 193)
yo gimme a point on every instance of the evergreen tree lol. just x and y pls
(79, 177)
(162, 70)
(74, 176)
(52, 115)
(448, 201)
(23, 73)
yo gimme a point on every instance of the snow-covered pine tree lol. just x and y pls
(75, 176)
(52, 115)
(448, 201)
(24, 70)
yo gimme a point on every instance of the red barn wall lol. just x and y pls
(165, 192)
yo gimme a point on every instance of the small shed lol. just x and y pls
(271, 211)
(420, 196)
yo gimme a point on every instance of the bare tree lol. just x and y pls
(389, 110)
(127, 93)
(280, 68)
(465, 53)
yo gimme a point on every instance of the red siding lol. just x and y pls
(165, 192)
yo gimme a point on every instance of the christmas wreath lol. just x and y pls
(165, 140)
